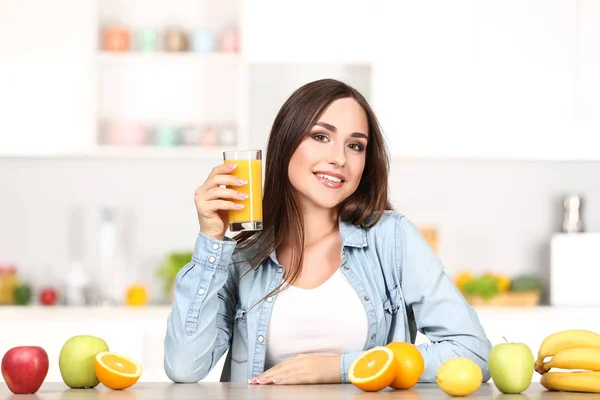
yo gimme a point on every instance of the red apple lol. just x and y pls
(48, 297)
(24, 368)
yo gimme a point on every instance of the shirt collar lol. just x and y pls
(351, 235)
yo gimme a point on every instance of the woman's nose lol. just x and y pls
(337, 156)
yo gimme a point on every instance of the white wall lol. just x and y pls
(491, 215)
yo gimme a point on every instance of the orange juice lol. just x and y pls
(250, 170)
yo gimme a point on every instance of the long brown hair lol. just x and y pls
(282, 217)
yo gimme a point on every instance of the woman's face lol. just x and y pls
(327, 166)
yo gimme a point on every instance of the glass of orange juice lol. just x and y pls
(249, 167)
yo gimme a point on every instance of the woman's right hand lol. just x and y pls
(213, 201)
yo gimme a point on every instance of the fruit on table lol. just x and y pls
(8, 282)
(459, 377)
(587, 358)
(173, 263)
(48, 297)
(563, 340)
(484, 286)
(525, 284)
(374, 370)
(511, 367)
(24, 368)
(137, 295)
(116, 371)
(504, 281)
(22, 294)
(409, 364)
(588, 382)
(76, 360)
(463, 278)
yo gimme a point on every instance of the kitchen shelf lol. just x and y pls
(215, 152)
(137, 152)
(110, 58)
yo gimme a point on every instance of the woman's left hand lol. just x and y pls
(302, 369)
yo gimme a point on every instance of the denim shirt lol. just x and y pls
(398, 277)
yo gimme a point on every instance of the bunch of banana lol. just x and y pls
(571, 350)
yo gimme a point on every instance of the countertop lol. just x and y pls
(69, 313)
(235, 391)
(161, 312)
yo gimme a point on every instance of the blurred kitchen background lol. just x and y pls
(114, 111)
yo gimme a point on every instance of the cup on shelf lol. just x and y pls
(147, 40)
(176, 40)
(125, 133)
(166, 135)
(203, 41)
(227, 134)
(209, 136)
(117, 39)
(229, 41)
(191, 134)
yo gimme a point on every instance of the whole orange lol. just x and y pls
(136, 295)
(409, 362)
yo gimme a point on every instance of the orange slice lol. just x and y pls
(374, 370)
(116, 371)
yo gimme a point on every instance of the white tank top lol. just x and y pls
(329, 319)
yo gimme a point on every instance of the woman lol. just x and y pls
(334, 271)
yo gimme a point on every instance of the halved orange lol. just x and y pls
(116, 371)
(374, 370)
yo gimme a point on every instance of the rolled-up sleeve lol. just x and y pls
(440, 311)
(346, 359)
(200, 324)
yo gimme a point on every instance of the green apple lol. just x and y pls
(76, 361)
(511, 366)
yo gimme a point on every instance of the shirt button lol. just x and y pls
(261, 338)
(346, 268)
(366, 298)
(215, 246)
(373, 337)
(201, 292)
(212, 259)
(280, 270)
(269, 299)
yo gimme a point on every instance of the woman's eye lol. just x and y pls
(357, 147)
(319, 137)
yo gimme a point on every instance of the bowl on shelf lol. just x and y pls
(508, 299)
(210, 135)
(147, 40)
(229, 41)
(228, 134)
(203, 41)
(191, 134)
(126, 133)
(176, 40)
(500, 290)
(166, 135)
(116, 39)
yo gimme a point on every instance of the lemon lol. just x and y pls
(463, 278)
(459, 377)
(136, 295)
